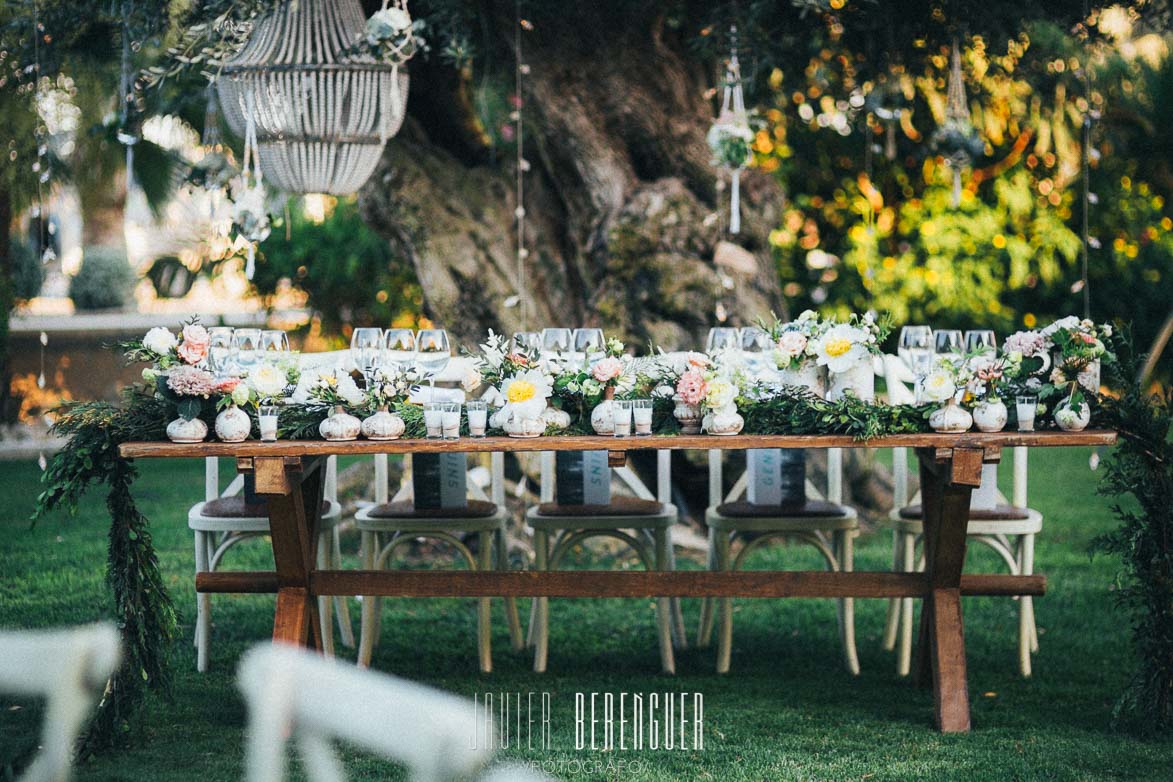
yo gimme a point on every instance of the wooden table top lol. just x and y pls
(255, 448)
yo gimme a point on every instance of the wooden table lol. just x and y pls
(289, 474)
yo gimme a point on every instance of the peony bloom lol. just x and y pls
(939, 386)
(792, 344)
(691, 387)
(189, 381)
(1028, 343)
(841, 348)
(268, 381)
(159, 340)
(227, 385)
(721, 394)
(607, 369)
(526, 394)
(349, 390)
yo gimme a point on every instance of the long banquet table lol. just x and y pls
(289, 474)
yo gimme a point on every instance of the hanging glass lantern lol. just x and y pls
(325, 89)
(956, 139)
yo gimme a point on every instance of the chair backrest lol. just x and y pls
(717, 495)
(496, 493)
(626, 474)
(313, 699)
(901, 496)
(236, 485)
(69, 668)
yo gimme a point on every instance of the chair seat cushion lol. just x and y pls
(809, 509)
(476, 509)
(237, 508)
(998, 513)
(619, 506)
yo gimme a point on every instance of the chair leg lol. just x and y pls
(679, 634)
(325, 604)
(664, 605)
(845, 551)
(511, 616)
(368, 629)
(484, 606)
(203, 624)
(725, 608)
(904, 658)
(542, 615)
(704, 631)
(341, 602)
(1027, 633)
(892, 619)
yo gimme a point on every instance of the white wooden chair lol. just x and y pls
(314, 700)
(1007, 527)
(70, 669)
(644, 523)
(398, 518)
(823, 522)
(224, 519)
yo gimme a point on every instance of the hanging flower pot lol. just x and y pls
(730, 136)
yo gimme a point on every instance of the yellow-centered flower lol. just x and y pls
(520, 391)
(837, 347)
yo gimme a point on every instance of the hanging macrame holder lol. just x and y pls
(733, 113)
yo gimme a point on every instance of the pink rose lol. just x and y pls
(792, 343)
(607, 369)
(691, 388)
(195, 344)
(227, 385)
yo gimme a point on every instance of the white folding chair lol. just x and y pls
(224, 519)
(1009, 528)
(398, 518)
(644, 523)
(70, 669)
(823, 522)
(314, 700)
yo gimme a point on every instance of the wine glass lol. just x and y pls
(399, 348)
(365, 346)
(589, 344)
(274, 341)
(246, 347)
(556, 341)
(432, 353)
(754, 343)
(981, 342)
(220, 349)
(721, 338)
(527, 341)
(948, 341)
(915, 341)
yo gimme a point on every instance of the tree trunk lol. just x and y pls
(625, 225)
(7, 299)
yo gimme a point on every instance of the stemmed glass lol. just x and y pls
(274, 341)
(916, 350)
(556, 343)
(527, 341)
(365, 346)
(981, 342)
(589, 345)
(246, 347)
(948, 341)
(220, 350)
(432, 354)
(399, 348)
(721, 338)
(754, 343)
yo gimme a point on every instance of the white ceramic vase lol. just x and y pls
(524, 428)
(341, 426)
(990, 416)
(187, 430)
(1071, 418)
(552, 416)
(688, 416)
(860, 381)
(722, 422)
(382, 425)
(233, 425)
(809, 376)
(950, 417)
(603, 418)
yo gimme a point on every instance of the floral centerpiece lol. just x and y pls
(944, 385)
(687, 380)
(594, 387)
(705, 390)
(795, 352)
(385, 388)
(526, 396)
(498, 364)
(178, 372)
(987, 385)
(1078, 351)
(846, 350)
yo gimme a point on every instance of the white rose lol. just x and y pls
(939, 386)
(268, 381)
(349, 390)
(160, 340)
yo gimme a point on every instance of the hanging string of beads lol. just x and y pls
(956, 139)
(730, 136)
(521, 69)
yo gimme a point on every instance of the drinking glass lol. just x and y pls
(589, 344)
(450, 420)
(246, 345)
(755, 343)
(641, 410)
(1025, 406)
(220, 349)
(478, 417)
(434, 420)
(721, 338)
(432, 353)
(556, 341)
(274, 341)
(399, 348)
(267, 417)
(981, 342)
(621, 409)
(527, 341)
(365, 346)
(914, 341)
(948, 341)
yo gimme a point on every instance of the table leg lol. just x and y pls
(941, 653)
(294, 494)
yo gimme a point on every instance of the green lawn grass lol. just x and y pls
(788, 709)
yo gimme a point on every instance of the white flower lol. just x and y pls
(720, 394)
(394, 18)
(526, 394)
(939, 386)
(240, 394)
(160, 340)
(309, 378)
(841, 348)
(1070, 323)
(792, 344)
(268, 381)
(349, 390)
(471, 379)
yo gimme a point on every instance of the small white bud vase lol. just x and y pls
(233, 425)
(950, 417)
(603, 418)
(382, 425)
(860, 381)
(1073, 418)
(552, 416)
(725, 421)
(809, 376)
(187, 430)
(340, 426)
(524, 428)
(688, 416)
(990, 416)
